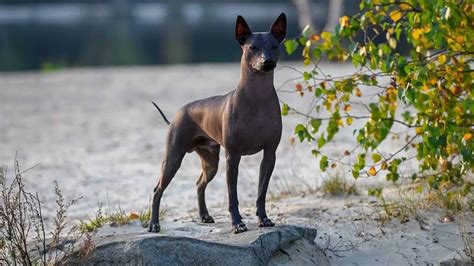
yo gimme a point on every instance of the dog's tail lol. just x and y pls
(161, 112)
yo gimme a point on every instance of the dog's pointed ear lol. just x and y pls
(279, 28)
(242, 30)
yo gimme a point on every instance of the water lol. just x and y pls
(48, 36)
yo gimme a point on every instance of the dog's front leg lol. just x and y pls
(232, 172)
(266, 169)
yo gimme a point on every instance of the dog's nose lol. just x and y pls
(268, 63)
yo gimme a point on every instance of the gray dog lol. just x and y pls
(244, 122)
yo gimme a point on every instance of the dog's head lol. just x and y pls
(260, 49)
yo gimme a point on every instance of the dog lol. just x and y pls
(245, 121)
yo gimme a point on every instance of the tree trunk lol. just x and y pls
(304, 13)
(334, 13)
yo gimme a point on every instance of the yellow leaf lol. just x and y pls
(306, 61)
(427, 28)
(405, 6)
(396, 15)
(456, 90)
(442, 59)
(372, 171)
(315, 37)
(327, 104)
(347, 108)
(326, 36)
(447, 69)
(419, 130)
(349, 121)
(384, 166)
(344, 21)
(467, 136)
(358, 92)
(443, 164)
(416, 33)
(134, 216)
(460, 39)
(392, 42)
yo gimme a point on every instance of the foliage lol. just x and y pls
(428, 93)
(23, 231)
(117, 218)
(337, 185)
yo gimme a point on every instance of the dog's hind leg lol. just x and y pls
(175, 151)
(209, 163)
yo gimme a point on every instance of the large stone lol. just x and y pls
(209, 245)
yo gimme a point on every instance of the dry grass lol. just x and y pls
(337, 186)
(23, 237)
(455, 202)
(117, 217)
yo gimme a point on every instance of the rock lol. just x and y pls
(455, 260)
(214, 245)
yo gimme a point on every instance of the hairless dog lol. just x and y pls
(244, 122)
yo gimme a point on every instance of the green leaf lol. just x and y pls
(318, 92)
(321, 142)
(300, 131)
(360, 164)
(317, 53)
(285, 109)
(355, 174)
(323, 164)
(290, 46)
(377, 192)
(315, 123)
(376, 157)
(307, 75)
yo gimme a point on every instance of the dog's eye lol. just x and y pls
(275, 47)
(252, 47)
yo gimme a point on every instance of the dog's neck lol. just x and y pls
(255, 84)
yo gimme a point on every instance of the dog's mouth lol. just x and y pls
(268, 66)
(265, 67)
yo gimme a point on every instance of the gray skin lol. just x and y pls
(244, 122)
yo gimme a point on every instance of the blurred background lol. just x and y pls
(55, 34)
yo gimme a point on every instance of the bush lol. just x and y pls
(429, 92)
(22, 229)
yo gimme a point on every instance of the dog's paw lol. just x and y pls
(265, 222)
(240, 228)
(154, 228)
(207, 219)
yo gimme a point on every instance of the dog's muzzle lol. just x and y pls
(268, 65)
(265, 66)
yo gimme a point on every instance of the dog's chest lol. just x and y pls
(253, 127)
